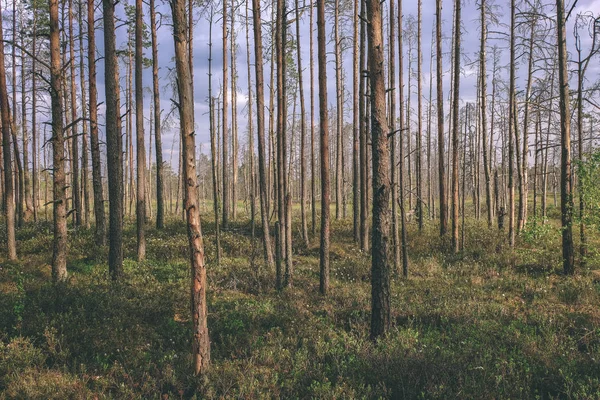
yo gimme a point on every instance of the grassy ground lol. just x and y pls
(482, 324)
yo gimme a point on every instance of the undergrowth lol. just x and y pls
(485, 323)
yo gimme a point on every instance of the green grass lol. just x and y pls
(481, 324)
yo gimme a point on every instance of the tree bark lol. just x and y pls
(9, 203)
(440, 120)
(140, 210)
(160, 188)
(455, 124)
(566, 195)
(380, 268)
(324, 141)
(59, 255)
(114, 143)
(200, 339)
(260, 133)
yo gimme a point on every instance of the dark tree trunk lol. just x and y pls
(380, 268)
(114, 143)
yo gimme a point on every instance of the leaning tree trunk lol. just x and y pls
(380, 266)
(200, 341)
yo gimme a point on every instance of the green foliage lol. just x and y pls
(479, 319)
(589, 178)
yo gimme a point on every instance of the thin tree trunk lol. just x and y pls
(224, 125)
(511, 131)
(455, 123)
(302, 132)
(84, 137)
(313, 168)
(566, 195)
(160, 200)
(392, 132)
(403, 235)
(363, 156)
(95, 143)
(484, 127)
(139, 134)
(74, 131)
(324, 134)
(200, 339)
(440, 120)
(419, 122)
(260, 129)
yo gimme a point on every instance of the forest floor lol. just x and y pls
(481, 324)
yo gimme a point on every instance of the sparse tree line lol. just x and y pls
(397, 145)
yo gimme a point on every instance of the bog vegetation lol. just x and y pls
(324, 216)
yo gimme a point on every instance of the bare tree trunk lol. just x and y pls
(34, 166)
(392, 133)
(363, 153)
(419, 122)
(401, 131)
(252, 174)
(260, 129)
(440, 120)
(84, 114)
(9, 204)
(234, 117)
(566, 195)
(59, 256)
(200, 339)
(139, 134)
(511, 131)
(302, 132)
(339, 112)
(484, 127)
(523, 200)
(455, 123)
(74, 131)
(160, 200)
(355, 126)
(225, 126)
(95, 143)
(313, 168)
(114, 144)
(380, 268)
(324, 133)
